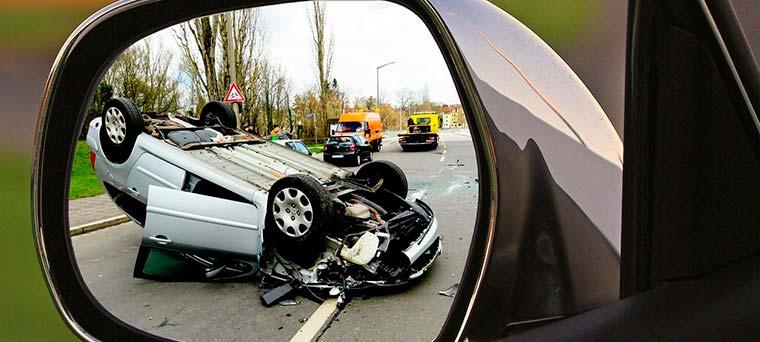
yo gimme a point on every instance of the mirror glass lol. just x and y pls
(295, 171)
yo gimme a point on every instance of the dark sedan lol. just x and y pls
(353, 149)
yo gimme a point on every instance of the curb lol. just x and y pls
(100, 224)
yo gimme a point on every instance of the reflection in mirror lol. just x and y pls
(278, 172)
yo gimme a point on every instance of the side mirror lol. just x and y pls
(553, 205)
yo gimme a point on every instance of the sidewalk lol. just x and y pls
(91, 213)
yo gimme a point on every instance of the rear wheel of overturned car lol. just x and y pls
(121, 123)
(299, 212)
(394, 179)
(217, 112)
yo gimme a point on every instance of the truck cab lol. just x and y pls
(422, 131)
(367, 124)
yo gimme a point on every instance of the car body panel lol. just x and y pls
(243, 169)
(556, 241)
(186, 222)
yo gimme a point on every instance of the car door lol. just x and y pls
(188, 222)
(362, 146)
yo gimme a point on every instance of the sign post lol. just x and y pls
(234, 95)
(313, 118)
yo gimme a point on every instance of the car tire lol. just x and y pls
(299, 211)
(121, 122)
(376, 146)
(358, 160)
(394, 179)
(369, 158)
(216, 112)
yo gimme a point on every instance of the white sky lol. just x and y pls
(366, 34)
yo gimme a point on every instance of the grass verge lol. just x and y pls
(315, 148)
(84, 183)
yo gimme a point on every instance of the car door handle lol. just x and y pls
(133, 191)
(163, 240)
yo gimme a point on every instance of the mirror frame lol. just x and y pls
(82, 62)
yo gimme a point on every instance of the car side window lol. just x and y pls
(300, 147)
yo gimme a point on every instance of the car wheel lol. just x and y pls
(299, 211)
(358, 160)
(121, 123)
(394, 179)
(369, 158)
(216, 112)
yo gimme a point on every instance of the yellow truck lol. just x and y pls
(422, 132)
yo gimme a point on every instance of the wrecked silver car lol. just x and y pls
(238, 205)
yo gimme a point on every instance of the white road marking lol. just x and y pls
(316, 322)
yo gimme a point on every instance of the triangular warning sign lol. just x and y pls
(234, 94)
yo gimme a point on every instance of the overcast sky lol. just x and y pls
(366, 34)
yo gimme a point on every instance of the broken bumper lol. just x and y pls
(423, 244)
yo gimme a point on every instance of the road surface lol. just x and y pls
(446, 179)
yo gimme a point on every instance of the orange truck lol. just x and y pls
(367, 124)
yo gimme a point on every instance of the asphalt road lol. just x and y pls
(445, 179)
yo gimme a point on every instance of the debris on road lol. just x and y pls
(451, 291)
(289, 302)
(276, 294)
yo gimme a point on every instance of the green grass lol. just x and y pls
(561, 23)
(84, 183)
(27, 312)
(38, 27)
(315, 148)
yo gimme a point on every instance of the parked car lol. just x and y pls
(352, 149)
(236, 203)
(295, 145)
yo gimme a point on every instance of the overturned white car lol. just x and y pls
(237, 205)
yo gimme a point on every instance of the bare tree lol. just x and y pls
(203, 44)
(144, 77)
(322, 43)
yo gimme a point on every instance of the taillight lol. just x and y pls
(92, 159)
(352, 148)
(402, 138)
(324, 148)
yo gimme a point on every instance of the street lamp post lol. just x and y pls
(377, 78)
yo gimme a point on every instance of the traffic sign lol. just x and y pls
(234, 94)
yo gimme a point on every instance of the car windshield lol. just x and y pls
(337, 140)
(349, 127)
